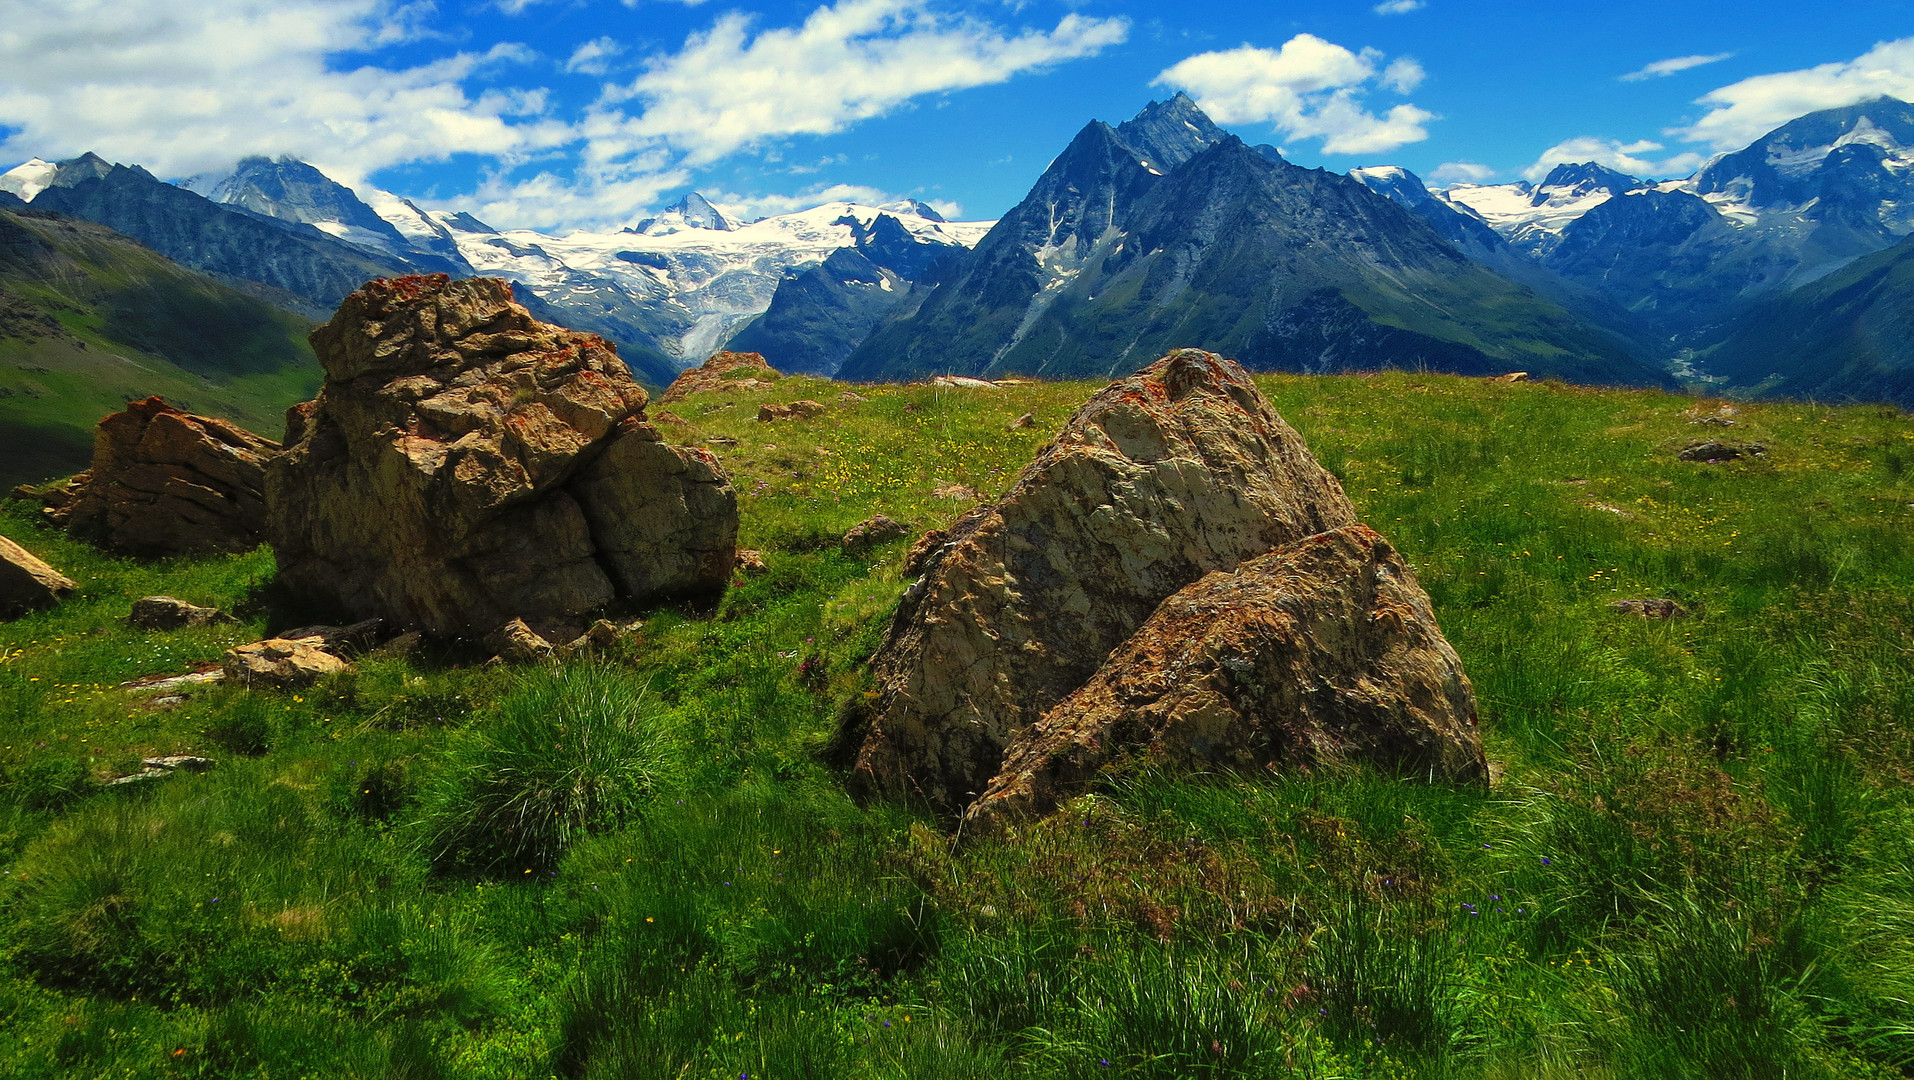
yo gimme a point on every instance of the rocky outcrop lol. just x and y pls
(723, 371)
(165, 482)
(170, 613)
(281, 663)
(465, 465)
(27, 583)
(869, 533)
(1321, 653)
(795, 410)
(1180, 470)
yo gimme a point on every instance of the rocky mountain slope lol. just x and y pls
(89, 320)
(1128, 246)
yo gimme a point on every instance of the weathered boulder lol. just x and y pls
(1713, 453)
(169, 613)
(963, 382)
(1320, 653)
(517, 643)
(1653, 607)
(465, 465)
(284, 663)
(1174, 472)
(165, 482)
(803, 409)
(27, 583)
(867, 534)
(723, 371)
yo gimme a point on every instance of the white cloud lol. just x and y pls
(1308, 89)
(1461, 172)
(730, 88)
(185, 90)
(1399, 7)
(1661, 69)
(594, 57)
(1742, 112)
(1617, 155)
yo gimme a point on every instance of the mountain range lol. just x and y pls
(1164, 230)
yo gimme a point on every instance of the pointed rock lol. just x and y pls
(1177, 471)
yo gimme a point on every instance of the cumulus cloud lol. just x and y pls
(1617, 155)
(594, 57)
(1461, 172)
(1308, 89)
(1399, 7)
(186, 90)
(1661, 69)
(733, 86)
(1742, 112)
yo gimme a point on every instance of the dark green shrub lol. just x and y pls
(567, 753)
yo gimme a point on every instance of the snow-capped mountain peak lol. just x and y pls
(694, 211)
(32, 177)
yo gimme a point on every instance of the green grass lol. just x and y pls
(1695, 860)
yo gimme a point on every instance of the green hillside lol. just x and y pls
(1694, 860)
(90, 319)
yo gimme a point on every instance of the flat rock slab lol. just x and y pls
(169, 613)
(281, 663)
(27, 583)
(1321, 653)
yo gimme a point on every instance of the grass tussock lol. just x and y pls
(1695, 860)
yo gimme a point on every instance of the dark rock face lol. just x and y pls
(1320, 653)
(165, 482)
(1177, 471)
(27, 583)
(466, 465)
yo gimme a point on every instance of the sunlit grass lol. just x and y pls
(1694, 860)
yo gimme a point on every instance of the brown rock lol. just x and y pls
(1320, 653)
(165, 482)
(466, 464)
(1177, 471)
(167, 613)
(960, 492)
(796, 410)
(851, 397)
(750, 561)
(281, 662)
(601, 638)
(1511, 377)
(355, 640)
(1027, 420)
(963, 382)
(1652, 608)
(667, 417)
(724, 371)
(1712, 453)
(27, 583)
(872, 532)
(516, 643)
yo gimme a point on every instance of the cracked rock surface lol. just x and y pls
(1321, 653)
(1177, 471)
(465, 465)
(165, 482)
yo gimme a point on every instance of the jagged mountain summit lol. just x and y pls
(1233, 249)
(693, 211)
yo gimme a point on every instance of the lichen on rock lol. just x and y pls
(465, 465)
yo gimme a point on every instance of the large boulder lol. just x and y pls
(465, 465)
(27, 583)
(165, 482)
(723, 371)
(1318, 654)
(1180, 470)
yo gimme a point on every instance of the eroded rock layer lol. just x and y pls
(466, 464)
(1180, 470)
(165, 482)
(1321, 653)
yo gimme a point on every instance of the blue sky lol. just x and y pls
(574, 113)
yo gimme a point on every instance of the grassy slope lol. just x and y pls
(134, 324)
(1694, 861)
